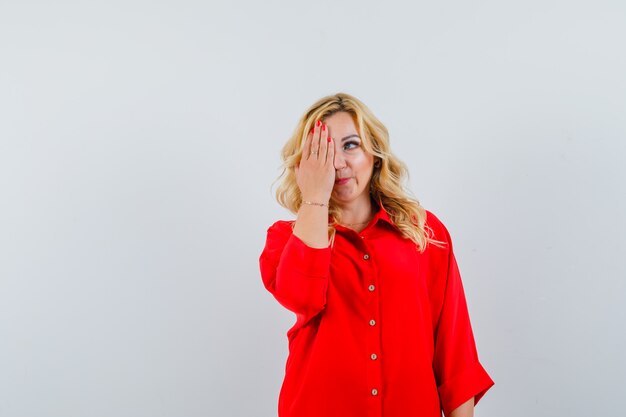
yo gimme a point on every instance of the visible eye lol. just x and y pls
(350, 145)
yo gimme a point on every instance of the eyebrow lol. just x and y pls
(354, 135)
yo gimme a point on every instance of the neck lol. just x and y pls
(357, 212)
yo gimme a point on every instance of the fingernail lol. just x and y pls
(323, 128)
(329, 138)
(311, 131)
(318, 123)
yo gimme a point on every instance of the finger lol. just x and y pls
(330, 155)
(315, 145)
(306, 152)
(323, 143)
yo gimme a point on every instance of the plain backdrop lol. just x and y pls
(138, 145)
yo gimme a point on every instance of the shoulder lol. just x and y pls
(278, 235)
(434, 222)
(280, 230)
(281, 226)
(438, 229)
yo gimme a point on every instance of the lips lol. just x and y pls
(341, 181)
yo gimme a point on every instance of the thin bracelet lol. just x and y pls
(311, 203)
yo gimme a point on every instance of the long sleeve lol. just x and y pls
(295, 274)
(458, 371)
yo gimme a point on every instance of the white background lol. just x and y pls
(139, 141)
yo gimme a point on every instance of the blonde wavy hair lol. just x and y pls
(388, 177)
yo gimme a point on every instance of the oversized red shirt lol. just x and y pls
(381, 330)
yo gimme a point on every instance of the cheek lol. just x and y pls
(365, 162)
(363, 165)
(360, 162)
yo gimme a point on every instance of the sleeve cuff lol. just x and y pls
(473, 382)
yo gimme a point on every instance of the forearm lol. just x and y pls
(312, 225)
(464, 410)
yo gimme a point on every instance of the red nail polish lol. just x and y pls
(318, 123)
(323, 128)
(329, 138)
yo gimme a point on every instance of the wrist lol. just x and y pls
(314, 203)
(315, 199)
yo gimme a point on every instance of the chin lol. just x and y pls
(343, 195)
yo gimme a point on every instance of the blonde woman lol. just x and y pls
(382, 325)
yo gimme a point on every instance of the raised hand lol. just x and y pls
(315, 175)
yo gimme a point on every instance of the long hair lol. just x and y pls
(388, 176)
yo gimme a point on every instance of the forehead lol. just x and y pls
(341, 122)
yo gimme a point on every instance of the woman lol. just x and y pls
(382, 326)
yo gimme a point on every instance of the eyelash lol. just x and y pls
(351, 142)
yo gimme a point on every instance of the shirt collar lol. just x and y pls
(382, 214)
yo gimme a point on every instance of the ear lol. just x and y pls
(377, 163)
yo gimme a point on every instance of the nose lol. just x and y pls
(340, 161)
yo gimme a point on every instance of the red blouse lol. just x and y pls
(381, 330)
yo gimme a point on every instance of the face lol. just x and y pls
(353, 165)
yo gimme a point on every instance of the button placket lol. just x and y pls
(374, 364)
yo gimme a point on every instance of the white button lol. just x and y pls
(374, 391)
(371, 287)
(366, 256)
(372, 322)
(373, 356)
